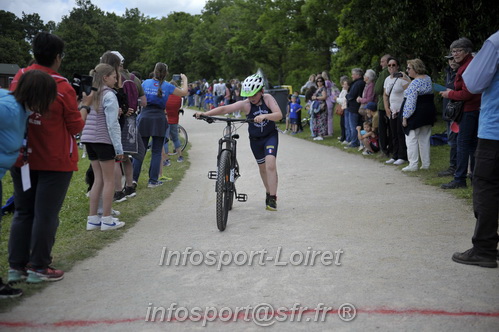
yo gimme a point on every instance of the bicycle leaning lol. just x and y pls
(227, 169)
(182, 136)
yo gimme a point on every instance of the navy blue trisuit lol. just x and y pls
(263, 136)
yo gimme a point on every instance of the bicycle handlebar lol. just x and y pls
(211, 119)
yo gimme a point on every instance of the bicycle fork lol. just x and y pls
(233, 173)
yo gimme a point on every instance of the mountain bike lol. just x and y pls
(227, 169)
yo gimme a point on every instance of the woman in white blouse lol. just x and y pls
(394, 87)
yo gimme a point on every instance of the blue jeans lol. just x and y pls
(156, 147)
(467, 140)
(172, 133)
(351, 120)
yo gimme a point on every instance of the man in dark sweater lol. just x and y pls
(352, 111)
(384, 123)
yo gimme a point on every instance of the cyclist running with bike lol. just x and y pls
(263, 109)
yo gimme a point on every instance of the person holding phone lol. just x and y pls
(152, 121)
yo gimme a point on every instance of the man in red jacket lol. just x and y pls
(43, 171)
(468, 126)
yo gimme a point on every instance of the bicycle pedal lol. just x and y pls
(242, 197)
(212, 175)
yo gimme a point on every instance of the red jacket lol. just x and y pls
(51, 142)
(471, 101)
(173, 104)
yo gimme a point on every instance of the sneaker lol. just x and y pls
(470, 258)
(113, 212)
(7, 292)
(119, 196)
(448, 172)
(130, 192)
(154, 184)
(165, 178)
(267, 197)
(272, 203)
(399, 162)
(453, 185)
(318, 138)
(93, 223)
(180, 159)
(345, 142)
(36, 276)
(14, 276)
(167, 162)
(367, 153)
(361, 147)
(390, 161)
(110, 222)
(410, 168)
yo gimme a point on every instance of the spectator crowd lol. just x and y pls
(120, 116)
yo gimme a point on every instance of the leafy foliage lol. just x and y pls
(288, 39)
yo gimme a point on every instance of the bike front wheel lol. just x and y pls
(224, 190)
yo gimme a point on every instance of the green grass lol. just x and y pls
(439, 157)
(73, 243)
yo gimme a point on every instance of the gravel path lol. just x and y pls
(378, 240)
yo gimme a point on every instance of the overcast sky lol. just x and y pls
(53, 10)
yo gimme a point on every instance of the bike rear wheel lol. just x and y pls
(182, 136)
(224, 190)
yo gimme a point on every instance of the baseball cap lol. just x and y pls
(371, 106)
(122, 59)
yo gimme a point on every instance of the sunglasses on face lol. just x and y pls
(320, 81)
(393, 65)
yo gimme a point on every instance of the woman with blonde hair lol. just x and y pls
(102, 138)
(419, 115)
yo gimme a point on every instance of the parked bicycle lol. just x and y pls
(182, 136)
(227, 169)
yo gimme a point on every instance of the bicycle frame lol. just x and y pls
(227, 170)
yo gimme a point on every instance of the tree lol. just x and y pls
(15, 49)
(32, 24)
(88, 32)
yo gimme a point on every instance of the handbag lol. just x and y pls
(318, 106)
(454, 110)
(129, 138)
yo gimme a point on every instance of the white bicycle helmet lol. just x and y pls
(251, 85)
